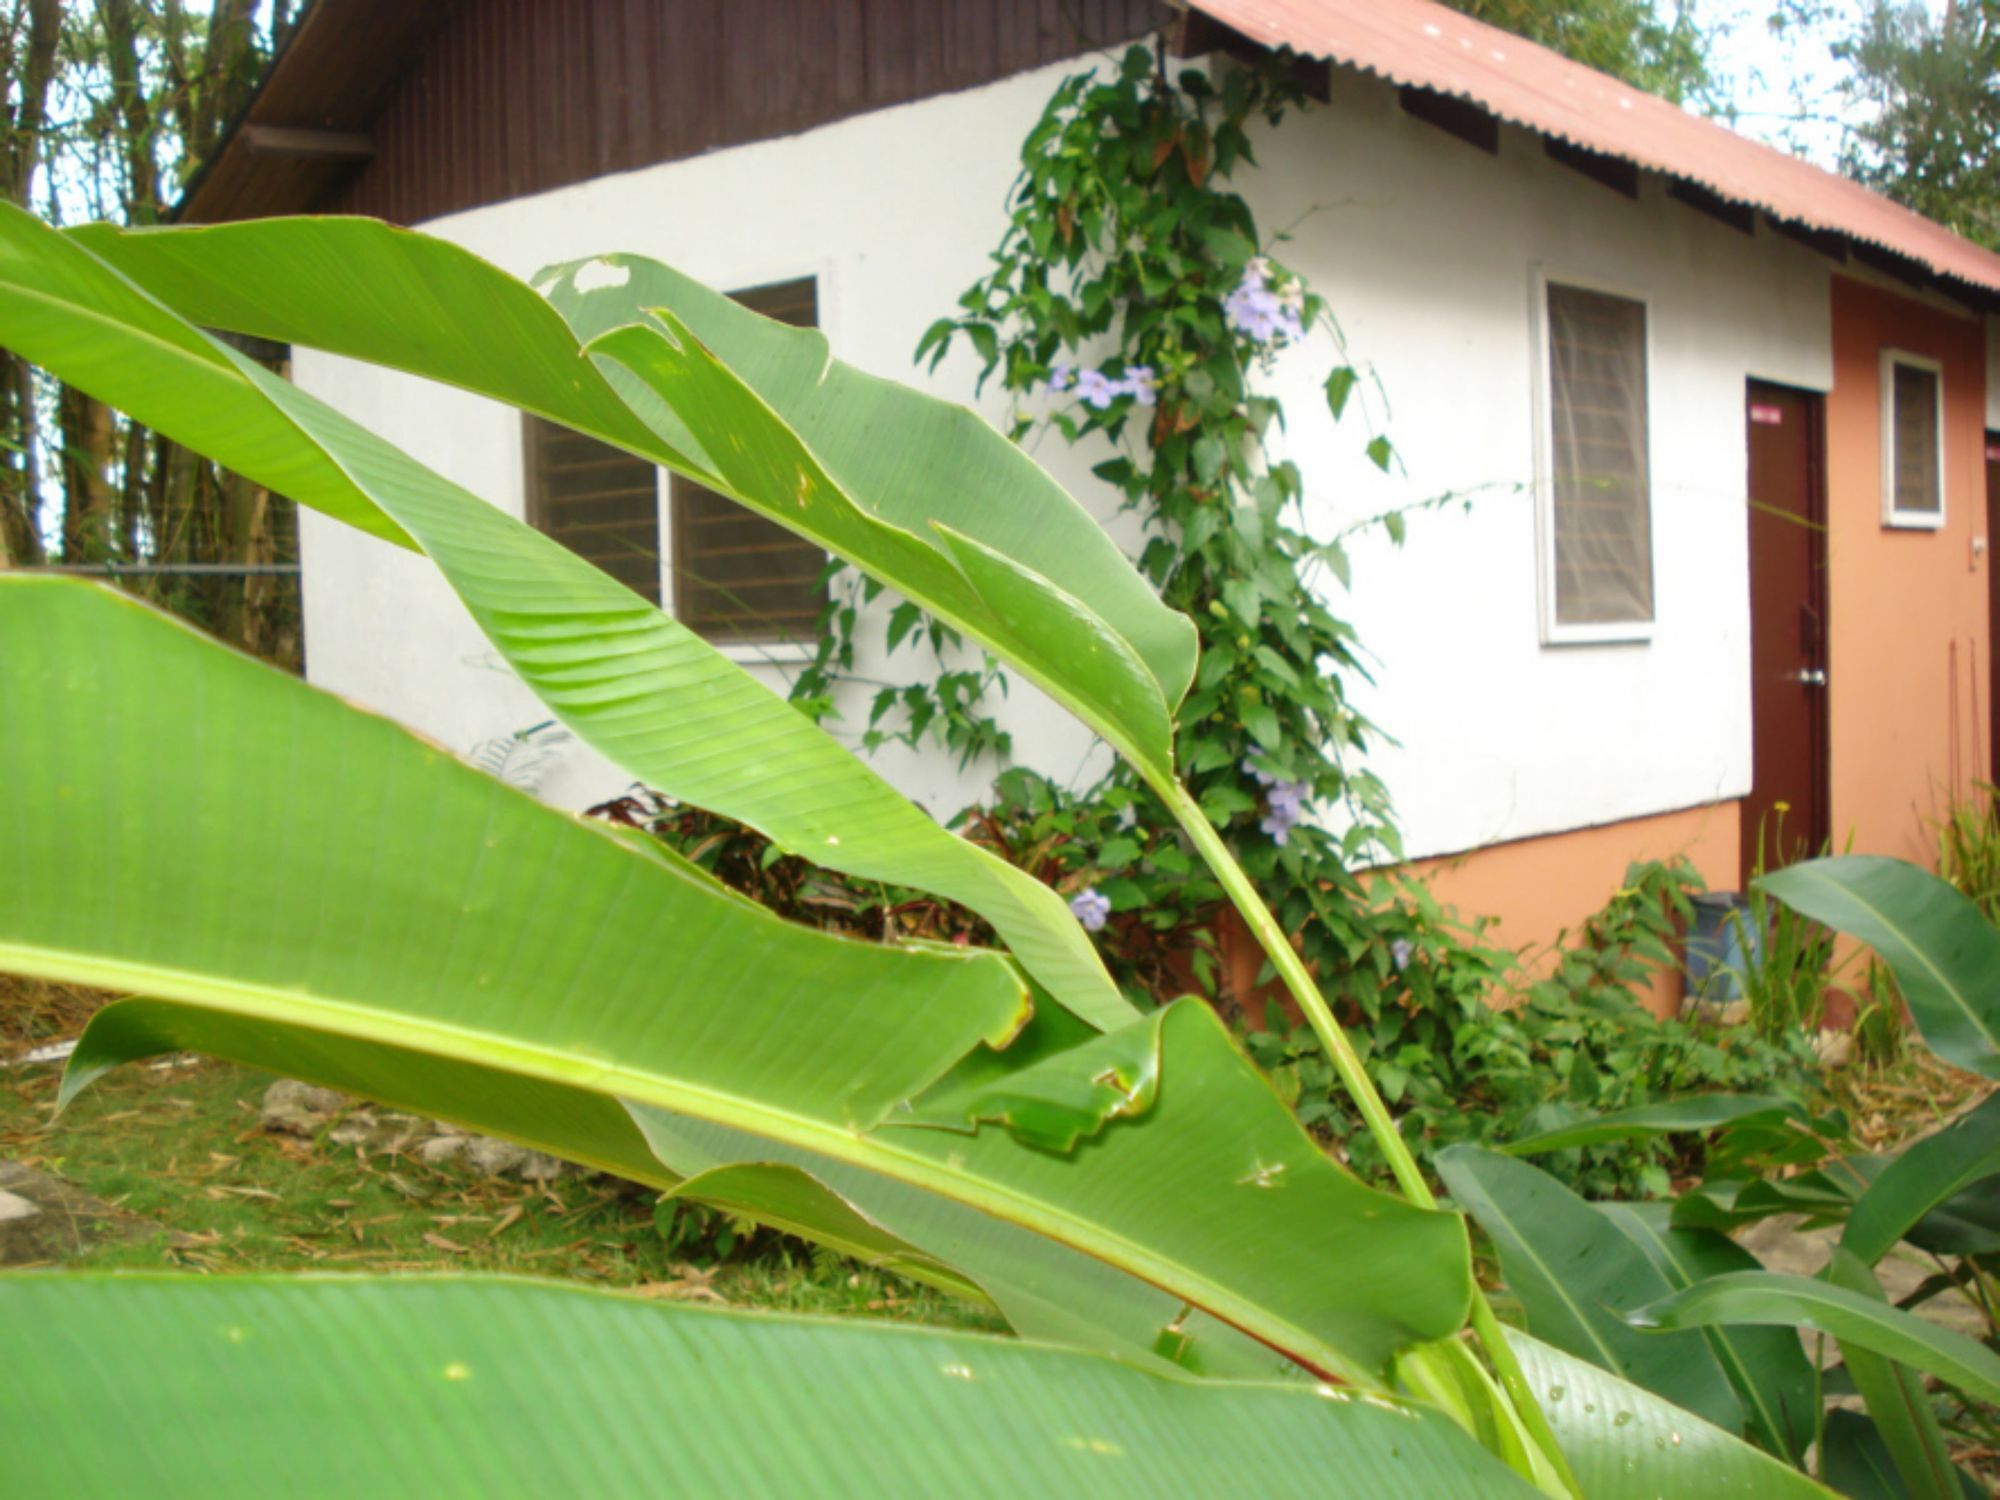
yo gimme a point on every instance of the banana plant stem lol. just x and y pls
(1361, 1089)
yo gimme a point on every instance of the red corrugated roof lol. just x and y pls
(1426, 45)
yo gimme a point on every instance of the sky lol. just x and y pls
(1784, 86)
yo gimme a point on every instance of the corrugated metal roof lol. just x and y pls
(1426, 45)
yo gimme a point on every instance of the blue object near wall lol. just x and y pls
(1716, 960)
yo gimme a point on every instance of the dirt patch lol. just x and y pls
(34, 1011)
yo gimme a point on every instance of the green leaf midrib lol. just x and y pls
(852, 1144)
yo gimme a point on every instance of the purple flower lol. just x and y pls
(1092, 908)
(1138, 384)
(1095, 388)
(1262, 778)
(1252, 309)
(1285, 804)
(1260, 311)
(1062, 375)
(1400, 953)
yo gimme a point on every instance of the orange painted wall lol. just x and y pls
(1535, 888)
(1907, 609)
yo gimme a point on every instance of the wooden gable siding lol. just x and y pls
(513, 97)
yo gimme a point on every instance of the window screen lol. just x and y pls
(737, 576)
(1602, 526)
(1913, 425)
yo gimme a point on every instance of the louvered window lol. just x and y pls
(736, 576)
(1601, 510)
(601, 503)
(1912, 440)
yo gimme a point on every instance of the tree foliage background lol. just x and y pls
(1926, 97)
(109, 107)
(1655, 45)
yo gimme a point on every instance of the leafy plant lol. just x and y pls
(1569, 1046)
(1940, 1195)
(349, 905)
(1968, 839)
(1785, 958)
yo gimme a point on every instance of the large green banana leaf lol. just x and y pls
(1767, 1366)
(652, 696)
(1044, 1289)
(1944, 953)
(1922, 1180)
(899, 483)
(1696, 1113)
(310, 1386)
(1895, 1396)
(1625, 1443)
(1576, 1274)
(340, 884)
(1855, 1319)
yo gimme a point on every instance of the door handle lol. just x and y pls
(1811, 676)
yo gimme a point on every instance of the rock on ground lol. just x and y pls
(303, 1109)
(44, 1219)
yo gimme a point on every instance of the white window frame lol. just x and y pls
(1553, 631)
(1908, 520)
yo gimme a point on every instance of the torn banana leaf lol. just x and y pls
(649, 694)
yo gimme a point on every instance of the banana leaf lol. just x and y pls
(1923, 1180)
(879, 474)
(1857, 1320)
(1895, 1397)
(341, 888)
(1766, 1366)
(1576, 1275)
(1944, 953)
(314, 1386)
(1625, 1443)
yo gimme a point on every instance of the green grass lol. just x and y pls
(181, 1148)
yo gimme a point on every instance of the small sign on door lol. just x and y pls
(1766, 415)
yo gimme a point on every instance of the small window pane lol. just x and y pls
(1602, 515)
(1915, 427)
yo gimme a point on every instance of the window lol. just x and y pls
(737, 578)
(1598, 523)
(1912, 440)
(598, 501)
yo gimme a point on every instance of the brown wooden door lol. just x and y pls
(1787, 807)
(1993, 601)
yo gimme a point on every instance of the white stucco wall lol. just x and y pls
(1427, 250)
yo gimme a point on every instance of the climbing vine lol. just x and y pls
(1133, 303)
